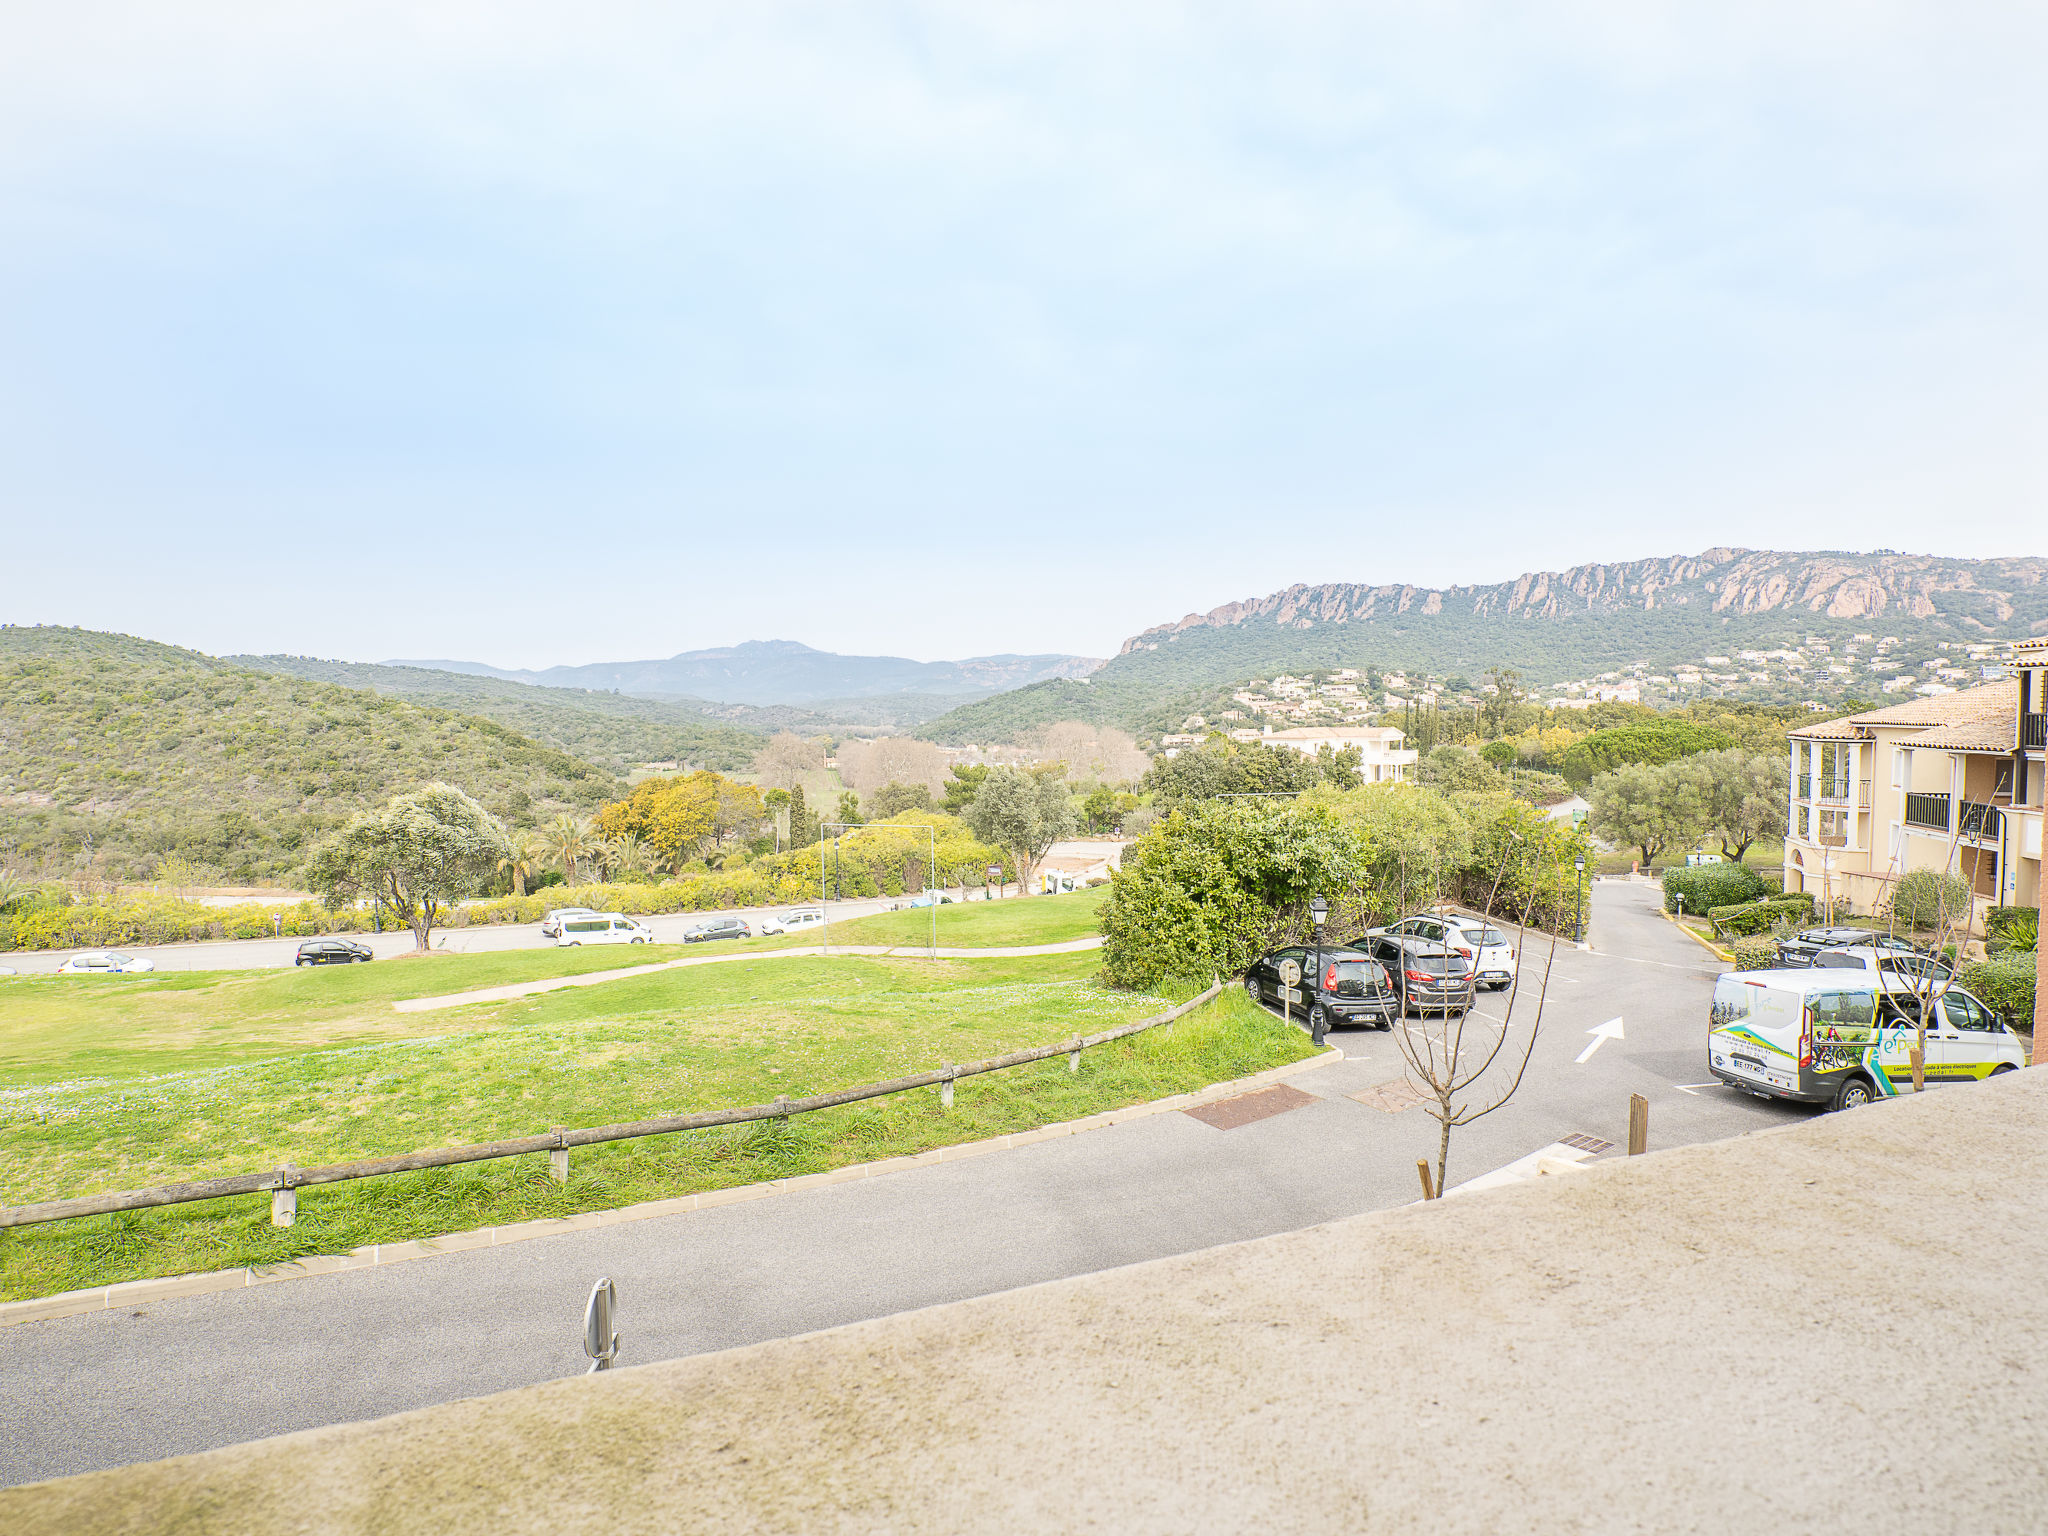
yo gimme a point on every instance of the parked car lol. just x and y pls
(551, 924)
(718, 928)
(1427, 976)
(1353, 988)
(331, 952)
(103, 962)
(1799, 950)
(793, 920)
(1832, 1037)
(1896, 971)
(1476, 940)
(602, 928)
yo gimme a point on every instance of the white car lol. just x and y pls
(602, 928)
(105, 962)
(1474, 939)
(551, 924)
(1896, 972)
(792, 921)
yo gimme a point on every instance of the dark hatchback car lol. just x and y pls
(718, 928)
(1427, 977)
(1353, 988)
(1797, 952)
(332, 952)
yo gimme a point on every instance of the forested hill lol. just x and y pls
(124, 749)
(613, 730)
(1552, 625)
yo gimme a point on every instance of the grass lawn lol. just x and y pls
(239, 1073)
(57, 1028)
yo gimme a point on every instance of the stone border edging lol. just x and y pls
(109, 1298)
(1713, 949)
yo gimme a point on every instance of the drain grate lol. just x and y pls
(1585, 1143)
(1229, 1114)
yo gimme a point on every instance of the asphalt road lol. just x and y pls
(182, 1375)
(260, 954)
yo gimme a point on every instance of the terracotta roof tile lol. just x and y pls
(1982, 719)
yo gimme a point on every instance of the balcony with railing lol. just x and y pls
(1981, 821)
(2034, 730)
(1835, 790)
(1927, 811)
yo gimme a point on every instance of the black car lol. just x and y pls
(1797, 952)
(1427, 976)
(718, 928)
(1353, 988)
(332, 952)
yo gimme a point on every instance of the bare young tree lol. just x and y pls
(788, 761)
(1450, 1067)
(1954, 915)
(865, 766)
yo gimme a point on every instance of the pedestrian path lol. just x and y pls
(595, 978)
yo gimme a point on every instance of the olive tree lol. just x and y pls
(1023, 812)
(419, 855)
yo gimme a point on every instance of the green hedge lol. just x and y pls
(164, 920)
(1759, 917)
(1707, 886)
(1754, 954)
(2005, 983)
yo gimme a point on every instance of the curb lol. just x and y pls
(1713, 949)
(110, 1298)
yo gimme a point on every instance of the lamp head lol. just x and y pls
(1579, 863)
(1318, 910)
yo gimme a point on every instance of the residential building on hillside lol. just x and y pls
(1386, 760)
(1934, 783)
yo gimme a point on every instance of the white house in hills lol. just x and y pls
(1386, 759)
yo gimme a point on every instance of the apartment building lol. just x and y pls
(1386, 761)
(1940, 782)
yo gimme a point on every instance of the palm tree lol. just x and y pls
(12, 889)
(565, 840)
(626, 855)
(522, 858)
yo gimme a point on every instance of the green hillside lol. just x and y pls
(612, 730)
(116, 751)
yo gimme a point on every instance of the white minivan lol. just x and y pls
(1838, 1038)
(603, 928)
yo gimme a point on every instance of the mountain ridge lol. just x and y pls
(785, 672)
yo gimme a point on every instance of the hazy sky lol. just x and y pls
(546, 333)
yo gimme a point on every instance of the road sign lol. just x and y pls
(1290, 973)
(1290, 994)
(1611, 1030)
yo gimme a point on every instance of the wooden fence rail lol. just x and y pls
(290, 1178)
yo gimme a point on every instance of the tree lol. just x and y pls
(565, 840)
(521, 858)
(1742, 794)
(788, 760)
(1088, 751)
(962, 786)
(1023, 812)
(1634, 807)
(865, 766)
(1497, 710)
(1661, 742)
(1099, 806)
(893, 799)
(625, 855)
(420, 854)
(849, 808)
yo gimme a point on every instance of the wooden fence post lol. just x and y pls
(946, 1088)
(1074, 1058)
(284, 1199)
(558, 1160)
(1638, 1125)
(1428, 1183)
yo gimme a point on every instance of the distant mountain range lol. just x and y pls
(1552, 625)
(783, 672)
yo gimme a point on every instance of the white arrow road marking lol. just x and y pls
(1693, 1088)
(1611, 1030)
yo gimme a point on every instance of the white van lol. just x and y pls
(1835, 1037)
(602, 928)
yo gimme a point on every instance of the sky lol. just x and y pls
(539, 334)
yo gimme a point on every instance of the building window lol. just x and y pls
(1803, 813)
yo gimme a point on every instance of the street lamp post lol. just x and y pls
(1318, 1018)
(1827, 882)
(1579, 911)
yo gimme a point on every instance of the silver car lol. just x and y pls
(105, 962)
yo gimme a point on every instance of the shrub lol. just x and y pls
(1925, 897)
(2005, 985)
(1761, 917)
(1755, 954)
(1706, 886)
(2012, 928)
